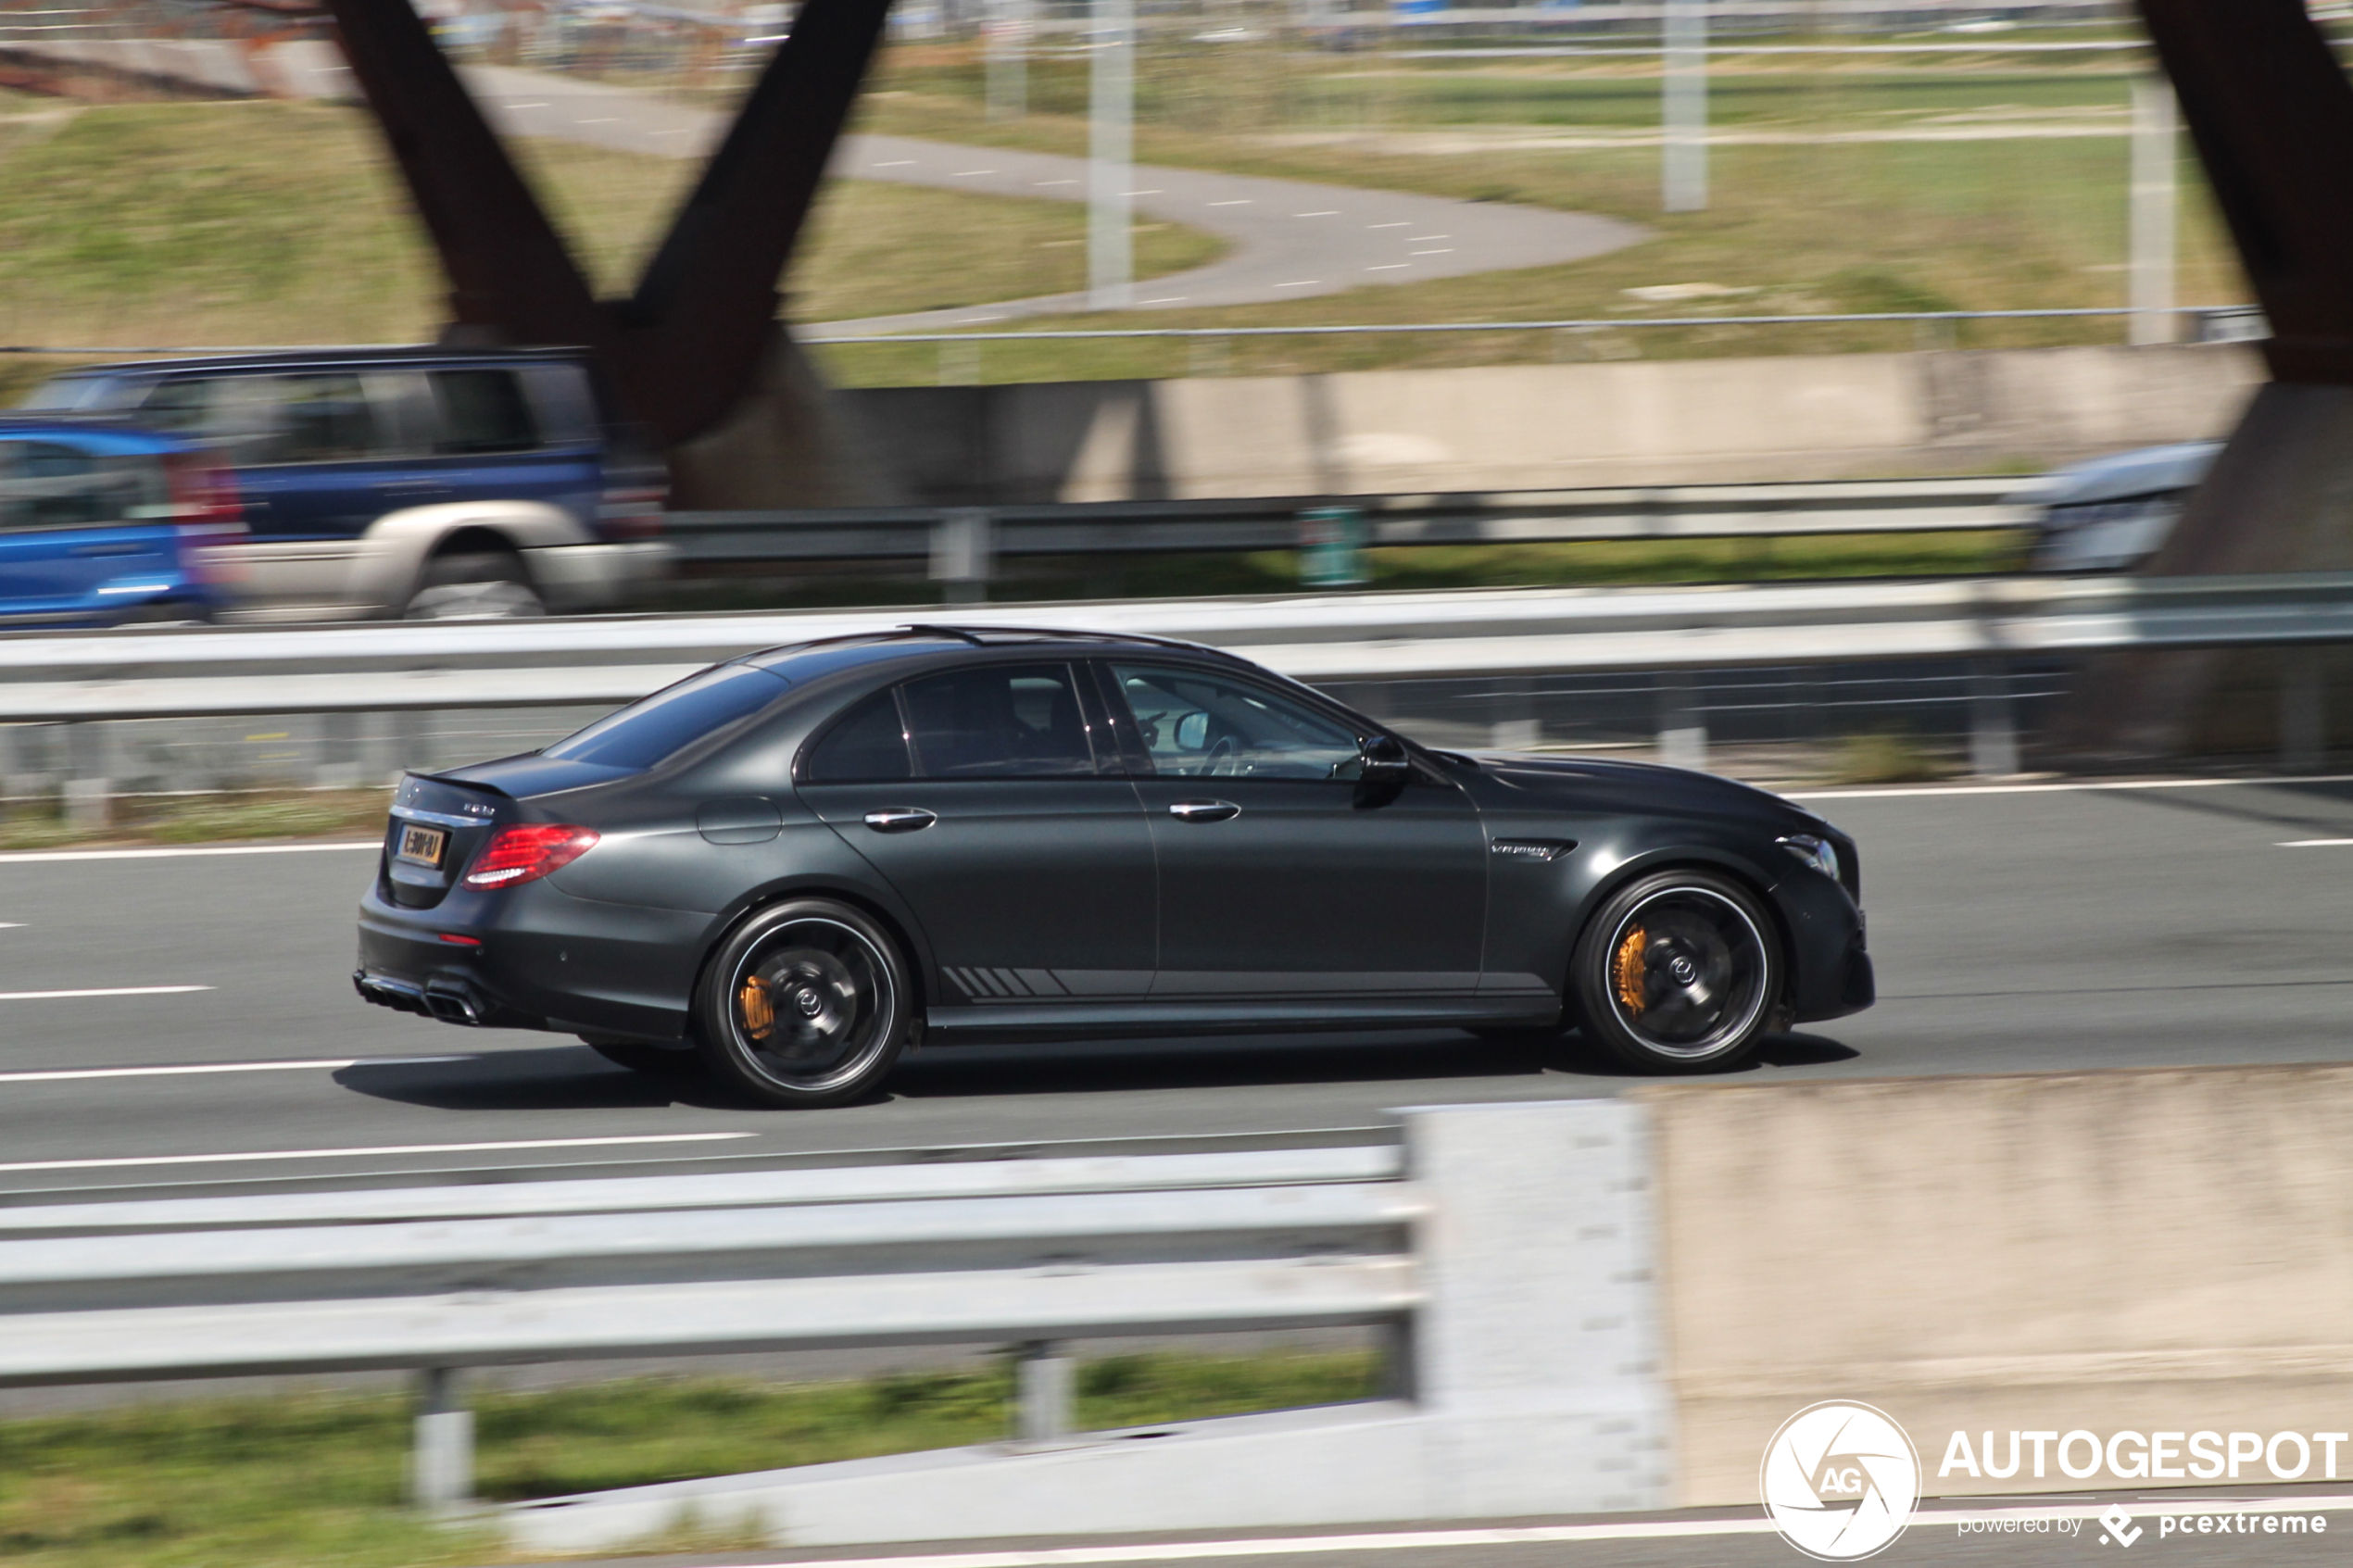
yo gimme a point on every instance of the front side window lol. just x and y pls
(1197, 726)
(998, 721)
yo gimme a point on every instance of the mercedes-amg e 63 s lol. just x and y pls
(797, 864)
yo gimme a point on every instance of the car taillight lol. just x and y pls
(517, 854)
(631, 513)
(207, 515)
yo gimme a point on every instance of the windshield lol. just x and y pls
(652, 728)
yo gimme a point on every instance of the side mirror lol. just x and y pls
(1384, 761)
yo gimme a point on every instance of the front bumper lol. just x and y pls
(593, 576)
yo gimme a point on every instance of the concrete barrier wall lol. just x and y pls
(2142, 1251)
(1547, 426)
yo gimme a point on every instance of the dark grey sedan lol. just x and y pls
(794, 865)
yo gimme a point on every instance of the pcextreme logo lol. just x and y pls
(1840, 1481)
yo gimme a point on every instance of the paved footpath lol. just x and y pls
(1285, 238)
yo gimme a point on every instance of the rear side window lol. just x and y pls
(868, 746)
(481, 411)
(998, 721)
(327, 418)
(654, 727)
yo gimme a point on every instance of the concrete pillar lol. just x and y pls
(963, 554)
(1045, 1393)
(443, 1474)
(1682, 723)
(2303, 711)
(1993, 736)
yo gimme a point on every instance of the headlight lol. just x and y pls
(1818, 853)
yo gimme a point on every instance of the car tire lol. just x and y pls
(654, 1061)
(489, 585)
(1680, 972)
(805, 1004)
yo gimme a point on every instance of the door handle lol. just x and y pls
(900, 819)
(1203, 811)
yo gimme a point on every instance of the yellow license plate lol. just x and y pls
(422, 846)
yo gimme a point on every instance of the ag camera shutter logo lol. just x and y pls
(1840, 1481)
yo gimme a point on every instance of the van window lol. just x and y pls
(327, 418)
(481, 411)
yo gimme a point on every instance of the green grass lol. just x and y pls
(1608, 563)
(261, 222)
(312, 1479)
(206, 819)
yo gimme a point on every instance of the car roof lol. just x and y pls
(929, 637)
(360, 354)
(102, 436)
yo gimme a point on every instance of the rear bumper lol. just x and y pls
(574, 577)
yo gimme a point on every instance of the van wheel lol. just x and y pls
(487, 586)
(805, 1004)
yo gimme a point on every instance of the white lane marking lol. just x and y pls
(1155, 192)
(1303, 284)
(1526, 1534)
(1237, 201)
(1417, 239)
(896, 163)
(1401, 223)
(11, 925)
(608, 120)
(65, 1074)
(1053, 181)
(21, 857)
(126, 1161)
(968, 173)
(1168, 299)
(526, 105)
(2313, 843)
(1442, 250)
(680, 131)
(2065, 788)
(1388, 266)
(109, 991)
(1328, 212)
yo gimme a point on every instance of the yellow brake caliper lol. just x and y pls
(1626, 970)
(759, 1010)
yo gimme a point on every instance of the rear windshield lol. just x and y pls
(652, 728)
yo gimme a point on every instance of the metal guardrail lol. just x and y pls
(1317, 638)
(960, 542)
(442, 1279)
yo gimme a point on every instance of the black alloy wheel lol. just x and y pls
(1678, 972)
(805, 1004)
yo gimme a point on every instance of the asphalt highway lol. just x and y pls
(184, 1021)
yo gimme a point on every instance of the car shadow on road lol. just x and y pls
(573, 1078)
(532, 1078)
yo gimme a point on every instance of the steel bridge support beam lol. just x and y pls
(694, 352)
(2271, 113)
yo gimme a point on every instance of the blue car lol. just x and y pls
(424, 484)
(107, 525)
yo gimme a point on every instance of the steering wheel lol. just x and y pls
(1224, 758)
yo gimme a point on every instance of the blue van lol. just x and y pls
(422, 483)
(105, 525)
